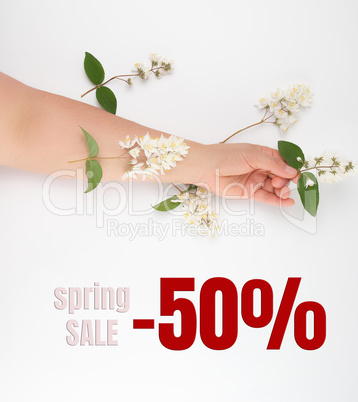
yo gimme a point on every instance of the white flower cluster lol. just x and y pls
(284, 104)
(159, 66)
(331, 168)
(161, 154)
(197, 210)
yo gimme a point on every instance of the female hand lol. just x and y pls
(239, 171)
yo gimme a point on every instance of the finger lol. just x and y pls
(255, 182)
(279, 182)
(295, 179)
(272, 199)
(283, 192)
(268, 159)
(267, 186)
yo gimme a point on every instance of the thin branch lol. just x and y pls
(263, 120)
(118, 77)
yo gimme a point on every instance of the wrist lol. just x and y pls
(192, 169)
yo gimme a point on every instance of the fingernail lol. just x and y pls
(290, 170)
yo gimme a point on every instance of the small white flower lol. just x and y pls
(158, 73)
(303, 100)
(154, 162)
(202, 192)
(132, 173)
(163, 145)
(274, 105)
(264, 102)
(281, 114)
(142, 70)
(127, 143)
(135, 164)
(134, 153)
(143, 140)
(309, 183)
(304, 97)
(286, 121)
(125, 176)
(167, 65)
(291, 106)
(278, 94)
(182, 197)
(155, 59)
(149, 172)
(291, 93)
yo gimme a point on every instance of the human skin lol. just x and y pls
(40, 132)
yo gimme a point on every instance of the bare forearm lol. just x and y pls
(41, 132)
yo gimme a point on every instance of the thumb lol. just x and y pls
(274, 165)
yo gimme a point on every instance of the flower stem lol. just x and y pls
(317, 167)
(119, 77)
(263, 120)
(95, 158)
(78, 160)
(177, 188)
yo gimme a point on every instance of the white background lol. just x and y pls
(227, 54)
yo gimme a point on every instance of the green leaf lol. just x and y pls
(107, 99)
(94, 69)
(91, 143)
(167, 205)
(290, 152)
(309, 194)
(94, 174)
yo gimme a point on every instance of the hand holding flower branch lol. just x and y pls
(266, 184)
